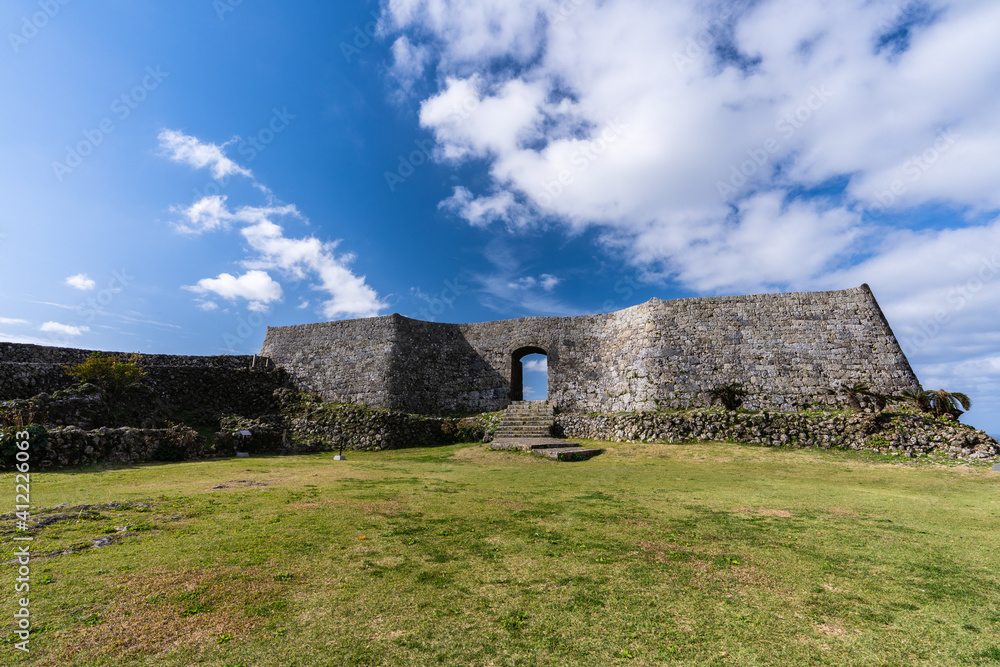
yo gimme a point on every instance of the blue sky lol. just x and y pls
(179, 176)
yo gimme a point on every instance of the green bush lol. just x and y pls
(38, 439)
(112, 373)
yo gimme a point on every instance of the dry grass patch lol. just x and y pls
(380, 507)
(834, 630)
(764, 511)
(509, 504)
(478, 454)
(153, 613)
(659, 549)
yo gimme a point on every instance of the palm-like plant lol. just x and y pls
(919, 397)
(881, 400)
(948, 402)
(853, 393)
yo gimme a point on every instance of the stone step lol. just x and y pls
(524, 429)
(528, 444)
(568, 453)
(553, 448)
(526, 422)
(526, 415)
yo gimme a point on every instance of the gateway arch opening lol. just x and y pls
(529, 374)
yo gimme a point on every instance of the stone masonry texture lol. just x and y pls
(787, 350)
(240, 384)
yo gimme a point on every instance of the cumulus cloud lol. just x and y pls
(656, 121)
(63, 329)
(188, 150)
(204, 215)
(940, 289)
(257, 287)
(272, 252)
(81, 282)
(298, 258)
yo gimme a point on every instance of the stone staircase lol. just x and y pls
(526, 426)
(526, 419)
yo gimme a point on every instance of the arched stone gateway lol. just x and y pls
(787, 349)
(517, 370)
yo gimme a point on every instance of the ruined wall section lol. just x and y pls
(238, 384)
(787, 349)
(347, 361)
(436, 369)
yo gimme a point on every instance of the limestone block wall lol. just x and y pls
(787, 349)
(348, 361)
(241, 384)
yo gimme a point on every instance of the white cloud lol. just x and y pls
(546, 281)
(208, 306)
(481, 211)
(63, 329)
(81, 282)
(408, 61)
(12, 320)
(505, 291)
(624, 115)
(299, 258)
(940, 289)
(257, 287)
(206, 214)
(536, 365)
(186, 149)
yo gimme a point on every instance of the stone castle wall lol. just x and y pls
(241, 384)
(787, 349)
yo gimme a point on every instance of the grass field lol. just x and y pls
(708, 554)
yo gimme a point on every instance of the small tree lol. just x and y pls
(112, 373)
(730, 395)
(948, 403)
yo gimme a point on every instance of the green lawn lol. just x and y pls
(707, 554)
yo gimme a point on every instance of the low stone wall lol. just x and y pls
(240, 384)
(906, 434)
(72, 446)
(316, 426)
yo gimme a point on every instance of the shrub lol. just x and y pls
(38, 438)
(112, 373)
